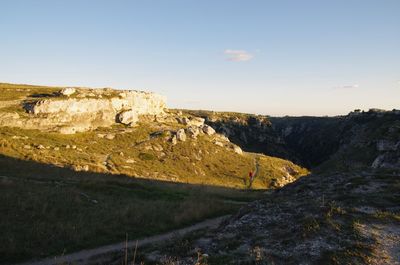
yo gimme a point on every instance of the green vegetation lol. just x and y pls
(62, 193)
(134, 153)
(16, 91)
(48, 210)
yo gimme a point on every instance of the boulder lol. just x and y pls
(181, 135)
(193, 131)
(128, 117)
(218, 143)
(208, 130)
(196, 121)
(174, 140)
(68, 91)
(193, 121)
(183, 120)
(237, 149)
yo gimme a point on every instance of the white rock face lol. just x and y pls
(208, 130)
(128, 117)
(181, 135)
(68, 91)
(86, 113)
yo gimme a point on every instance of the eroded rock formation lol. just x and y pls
(77, 110)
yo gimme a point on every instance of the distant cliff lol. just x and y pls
(360, 139)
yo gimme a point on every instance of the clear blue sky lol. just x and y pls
(269, 57)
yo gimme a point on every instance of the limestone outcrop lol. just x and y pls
(74, 110)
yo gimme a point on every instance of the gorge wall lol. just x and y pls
(360, 139)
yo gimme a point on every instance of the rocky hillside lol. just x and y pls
(345, 212)
(95, 165)
(342, 218)
(358, 140)
(130, 133)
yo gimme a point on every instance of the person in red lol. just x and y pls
(251, 177)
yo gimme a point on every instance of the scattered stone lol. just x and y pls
(237, 150)
(196, 121)
(174, 140)
(208, 129)
(74, 147)
(56, 148)
(183, 120)
(218, 143)
(101, 135)
(68, 91)
(110, 136)
(40, 147)
(181, 135)
(148, 147)
(193, 131)
(130, 161)
(158, 148)
(27, 146)
(128, 117)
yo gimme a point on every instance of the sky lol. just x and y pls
(265, 57)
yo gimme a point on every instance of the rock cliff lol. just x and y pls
(72, 110)
(360, 139)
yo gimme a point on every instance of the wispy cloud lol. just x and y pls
(348, 86)
(238, 55)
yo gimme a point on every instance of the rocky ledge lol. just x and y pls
(72, 110)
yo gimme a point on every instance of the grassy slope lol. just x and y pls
(50, 209)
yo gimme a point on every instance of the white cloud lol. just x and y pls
(349, 86)
(238, 55)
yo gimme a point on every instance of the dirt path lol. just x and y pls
(82, 257)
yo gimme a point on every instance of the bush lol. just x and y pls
(147, 156)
